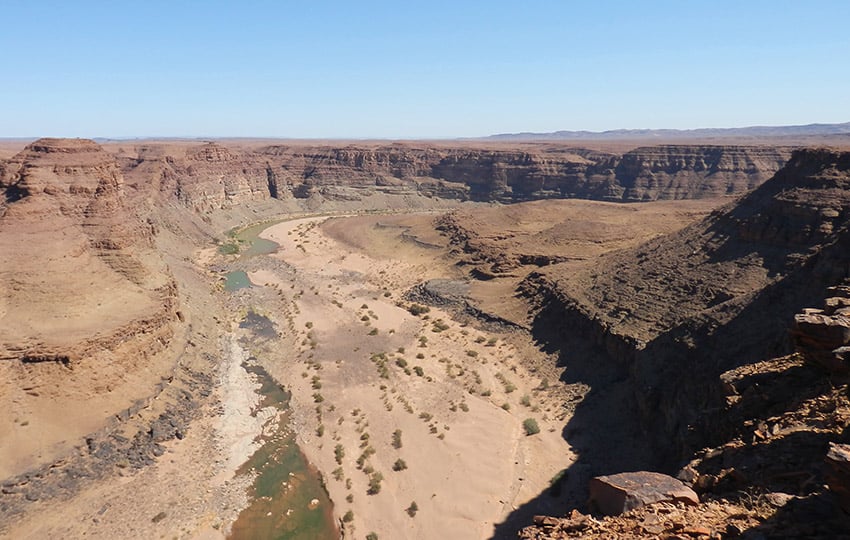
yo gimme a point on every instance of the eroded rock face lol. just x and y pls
(718, 294)
(212, 176)
(79, 265)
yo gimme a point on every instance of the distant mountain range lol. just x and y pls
(809, 130)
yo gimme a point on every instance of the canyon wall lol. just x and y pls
(74, 250)
(678, 311)
(212, 176)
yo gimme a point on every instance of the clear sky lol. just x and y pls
(407, 69)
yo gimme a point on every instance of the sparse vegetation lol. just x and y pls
(438, 326)
(530, 426)
(418, 309)
(375, 483)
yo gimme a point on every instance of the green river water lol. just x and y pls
(288, 499)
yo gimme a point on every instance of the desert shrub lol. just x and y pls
(339, 453)
(531, 427)
(439, 325)
(375, 483)
(348, 517)
(399, 465)
(397, 439)
(418, 309)
(412, 509)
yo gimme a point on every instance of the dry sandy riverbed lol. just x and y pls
(422, 409)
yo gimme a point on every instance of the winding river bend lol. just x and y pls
(288, 498)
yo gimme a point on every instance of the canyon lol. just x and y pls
(633, 300)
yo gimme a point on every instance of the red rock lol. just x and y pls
(697, 530)
(618, 493)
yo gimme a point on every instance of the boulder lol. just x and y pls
(838, 473)
(823, 336)
(614, 494)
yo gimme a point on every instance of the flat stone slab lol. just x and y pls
(614, 494)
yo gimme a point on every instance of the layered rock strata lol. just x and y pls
(212, 176)
(718, 294)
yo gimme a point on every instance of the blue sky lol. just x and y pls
(336, 69)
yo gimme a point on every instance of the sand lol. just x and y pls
(468, 460)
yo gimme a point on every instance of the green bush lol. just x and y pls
(531, 427)
(418, 309)
(375, 483)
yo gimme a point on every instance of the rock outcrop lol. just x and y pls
(838, 473)
(822, 336)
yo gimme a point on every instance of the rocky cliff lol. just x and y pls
(214, 175)
(676, 312)
(79, 273)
